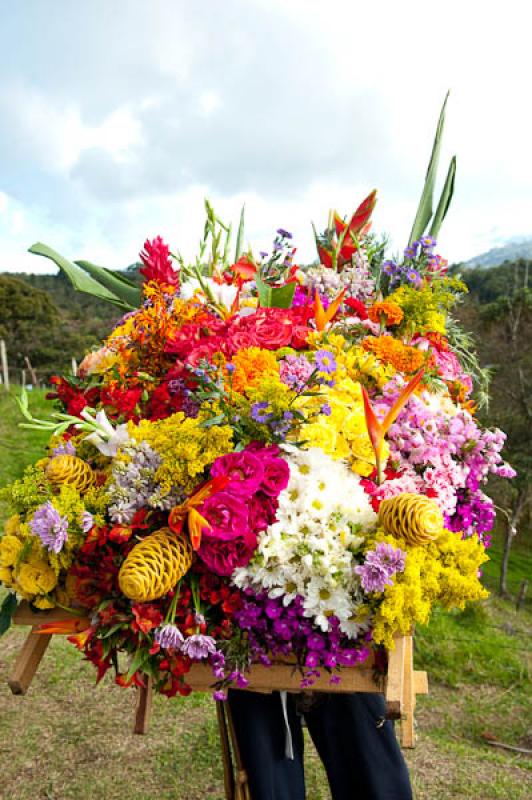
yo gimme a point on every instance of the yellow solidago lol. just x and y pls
(444, 571)
(186, 449)
(425, 308)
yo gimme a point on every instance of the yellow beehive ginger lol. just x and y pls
(71, 471)
(413, 517)
(154, 566)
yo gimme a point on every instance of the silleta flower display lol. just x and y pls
(261, 460)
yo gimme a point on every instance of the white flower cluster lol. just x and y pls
(313, 547)
(355, 278)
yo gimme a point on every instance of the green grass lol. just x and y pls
(71, 740)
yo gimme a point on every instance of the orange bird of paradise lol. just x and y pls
(196, 523)
(377, 430)
(324, 316)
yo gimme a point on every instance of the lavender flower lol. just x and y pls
(50, 527)
(87, 521)
(169, 637)
(64, 449)
(197, 647)
(379, 567)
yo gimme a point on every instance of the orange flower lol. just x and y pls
(404, 358)
(389, 313)
(252, 365)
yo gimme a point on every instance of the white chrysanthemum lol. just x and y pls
(322, 520)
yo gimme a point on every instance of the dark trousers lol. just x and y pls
(359, 751)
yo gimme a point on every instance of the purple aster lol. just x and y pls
(326, 410)
(50, 527)
(230, 368)
(198, 647)
(427, 242)
(259, 413)
(263, 254)
(325, 361)
(169, 637)
(413, 276)
(283, 233)
(389, 267)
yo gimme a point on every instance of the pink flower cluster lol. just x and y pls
(244, 508)
(441, 452)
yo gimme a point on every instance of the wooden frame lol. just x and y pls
(399, 687)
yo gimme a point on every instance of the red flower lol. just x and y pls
(357, 306)
(124, 401)
(147, 617)
(158, 265)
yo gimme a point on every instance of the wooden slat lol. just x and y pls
(25, 615)
(280, 677)
(28, 662)
(409, 698)
(394, 681)
(421, 682)
(143, 709)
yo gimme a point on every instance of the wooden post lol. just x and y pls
(395, 680)
(143, 710)
(521, 597)
(5, 368)
(33, 374)
(409, 698)
(28, 661)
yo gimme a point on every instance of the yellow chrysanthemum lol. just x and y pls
(6, 576)
(10, 547)
(36, 578)
(12, 524)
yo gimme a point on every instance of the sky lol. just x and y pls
(118, 117)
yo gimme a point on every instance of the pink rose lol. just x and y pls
(223, 557)
(276, 475)
(244, 470)
(227, 514)
(262, 511)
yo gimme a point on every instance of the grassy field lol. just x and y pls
(69, 739)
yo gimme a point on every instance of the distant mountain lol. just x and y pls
(513, 250)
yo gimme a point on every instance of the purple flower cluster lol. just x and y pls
(50, 527)
(418, 259)
(295, 371)
(379, 567)
(275, 629)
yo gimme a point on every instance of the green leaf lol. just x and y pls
(445, 199)
(240, 235)
(7, 609)
(141, 655)
(424, 211)
(275, 296)
(79, 279)
(123, 288)
(209, 423)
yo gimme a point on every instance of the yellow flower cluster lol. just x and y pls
(186, 448)
(444, 571)
(24, 565)
(425, 308)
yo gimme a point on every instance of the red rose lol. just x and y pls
(273, 328)
(222, 557)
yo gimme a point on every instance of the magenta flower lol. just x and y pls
(227, 514)
(244, 470)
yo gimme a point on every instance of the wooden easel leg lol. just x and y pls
(408, 737)
(227, 761)
(395, 680)
(143, 710)
(242, 791)
(28, 661)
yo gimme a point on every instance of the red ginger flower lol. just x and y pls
(158, 265)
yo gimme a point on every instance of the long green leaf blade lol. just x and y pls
(79, 279)
(425, 210)
(124, 289)
(445, 199)
(240, 235)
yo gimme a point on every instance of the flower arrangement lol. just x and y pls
(261, 460)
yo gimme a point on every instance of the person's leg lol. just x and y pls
(260, 731)
(358, 748)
